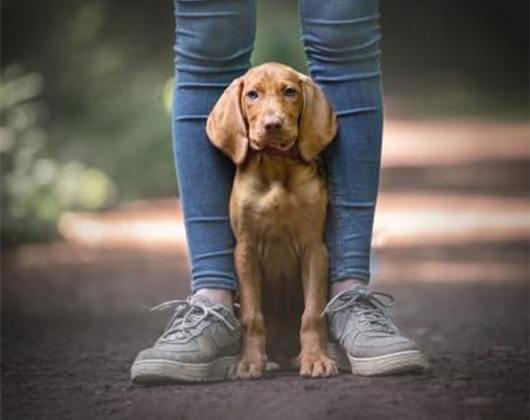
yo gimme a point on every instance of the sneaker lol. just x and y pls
(366, 336)
(200, 344)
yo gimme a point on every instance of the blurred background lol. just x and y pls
(92, 233)
(86, 88)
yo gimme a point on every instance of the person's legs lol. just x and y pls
(203, 338)
(341, 39)
(213, 46)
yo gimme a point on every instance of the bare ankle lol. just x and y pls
(217, 296)
(342, 285)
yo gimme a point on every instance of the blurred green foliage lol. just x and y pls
(85, 125)
(36, 188)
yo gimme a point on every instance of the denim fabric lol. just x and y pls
(213, 46)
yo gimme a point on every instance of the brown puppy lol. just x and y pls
(273, 122)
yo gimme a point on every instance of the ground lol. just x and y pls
(450, 248)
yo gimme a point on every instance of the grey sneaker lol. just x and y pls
(200, 344)
(366, 336)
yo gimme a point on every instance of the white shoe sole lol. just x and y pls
(410, 361)
(159, 371)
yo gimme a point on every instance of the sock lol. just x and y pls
(222, 296)
(340, 286)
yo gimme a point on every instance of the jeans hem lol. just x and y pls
(357, 275)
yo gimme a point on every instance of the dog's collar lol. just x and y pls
(291, 153)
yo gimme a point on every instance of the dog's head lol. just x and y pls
(272, 106)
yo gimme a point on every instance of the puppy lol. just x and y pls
(273, 122)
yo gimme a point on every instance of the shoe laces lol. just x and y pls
(369, 306)
(188, 314)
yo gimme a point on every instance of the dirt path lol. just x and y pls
(71, 330)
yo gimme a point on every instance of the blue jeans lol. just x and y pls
(213, 46)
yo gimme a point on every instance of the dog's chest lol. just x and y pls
(281, 207)
(277, 203)
(286, 200)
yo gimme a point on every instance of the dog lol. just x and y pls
(273, 122)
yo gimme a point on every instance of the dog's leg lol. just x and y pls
(253, 357)
(314, 361)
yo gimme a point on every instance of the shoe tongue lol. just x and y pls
(203, 299)
(359, 288)
(352, 293)
(207, 302)
(363, 291)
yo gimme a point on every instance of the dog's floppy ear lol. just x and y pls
(318, 123)
(226, 127)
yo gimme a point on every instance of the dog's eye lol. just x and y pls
(289, 92)
(252, 95)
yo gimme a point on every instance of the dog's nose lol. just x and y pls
(272, 123)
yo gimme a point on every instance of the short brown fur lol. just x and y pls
(277, 212)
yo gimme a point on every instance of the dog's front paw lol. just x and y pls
(248, 368)
(317, 365)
